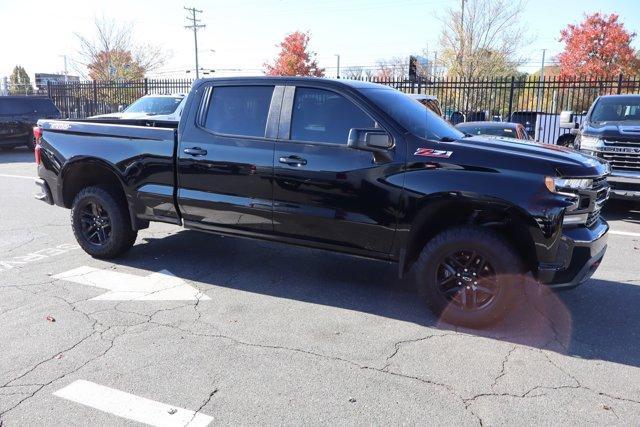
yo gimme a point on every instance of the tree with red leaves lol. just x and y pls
(294, 59)
(599, 47)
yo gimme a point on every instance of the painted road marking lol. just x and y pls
(130, 406)
(624, 233)
(17, 176)
(162, 286)
(18, 261)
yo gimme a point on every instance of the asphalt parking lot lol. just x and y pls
(253, 333)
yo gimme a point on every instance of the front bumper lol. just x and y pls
(580, 253)
(624, 185)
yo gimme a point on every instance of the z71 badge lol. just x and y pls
(428, 152)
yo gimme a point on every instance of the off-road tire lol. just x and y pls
(498, 253)
(121, 237)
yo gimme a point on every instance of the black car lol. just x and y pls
(502, 129)
(18, 116)
(340, 165)
(611, 131)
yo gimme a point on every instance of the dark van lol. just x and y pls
(18, 116)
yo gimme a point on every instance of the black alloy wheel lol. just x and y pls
(96, 223)
(467, 280)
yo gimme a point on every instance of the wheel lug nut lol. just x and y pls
(468, 287)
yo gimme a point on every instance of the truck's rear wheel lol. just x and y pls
(101, 223)
(469, 275)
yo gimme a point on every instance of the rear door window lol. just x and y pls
(239, 110)
(324, 116)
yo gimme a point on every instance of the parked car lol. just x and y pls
(160, 107)
(527, 119)
(429, 101)
(611, 131)
(347, 166)
(18, 116)
(503, 129)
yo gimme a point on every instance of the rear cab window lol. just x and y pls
(325, 116)
(239, 110)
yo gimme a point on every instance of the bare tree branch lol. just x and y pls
(111, 53)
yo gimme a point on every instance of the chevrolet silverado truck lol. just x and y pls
(344, 166)
(611, 131)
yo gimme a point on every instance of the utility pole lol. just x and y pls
(541, 83)
(195, 26)
(338, 66)
(462, 36)
(435, 63)
(66, 72)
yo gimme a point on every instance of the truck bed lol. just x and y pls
(141, 152)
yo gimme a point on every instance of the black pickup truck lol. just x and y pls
(611, 131)
(345, 166)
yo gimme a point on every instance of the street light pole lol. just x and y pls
(541, 82)
(338, 66)
(195, 26)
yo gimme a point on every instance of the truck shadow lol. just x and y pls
(597, 321)
(622, 210)
(17, 155)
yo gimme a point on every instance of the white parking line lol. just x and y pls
(17, 176)
(130, 406)
(624, 233)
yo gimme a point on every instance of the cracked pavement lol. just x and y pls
(295, 335)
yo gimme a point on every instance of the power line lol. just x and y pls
(195, 26)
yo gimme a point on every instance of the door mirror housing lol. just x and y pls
(375, 140)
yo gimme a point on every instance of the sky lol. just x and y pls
(241, 35)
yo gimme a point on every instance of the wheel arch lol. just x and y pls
(86, 172)
(437, 213)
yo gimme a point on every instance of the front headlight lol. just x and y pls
(590, 143)
(557, 185)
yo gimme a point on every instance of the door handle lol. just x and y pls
(293, 161)
(195, 151)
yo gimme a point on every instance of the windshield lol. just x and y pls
(412, 115)
(487, 130)
(154, 105)
(616, 109)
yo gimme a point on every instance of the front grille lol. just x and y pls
(600, 193)
(626, 159)
(592, 218)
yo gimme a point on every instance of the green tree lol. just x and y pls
(19, 82)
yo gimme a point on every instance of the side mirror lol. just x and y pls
(375, 140)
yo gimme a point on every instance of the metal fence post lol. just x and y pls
(620, 77)
(146, 86)
(48, 89)
(95, 99)
(511, 97)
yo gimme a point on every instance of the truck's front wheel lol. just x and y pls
(469, 275)
(101, 223)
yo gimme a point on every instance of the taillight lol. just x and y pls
(37, 136)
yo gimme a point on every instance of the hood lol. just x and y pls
(566, 161)
(626, 130)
